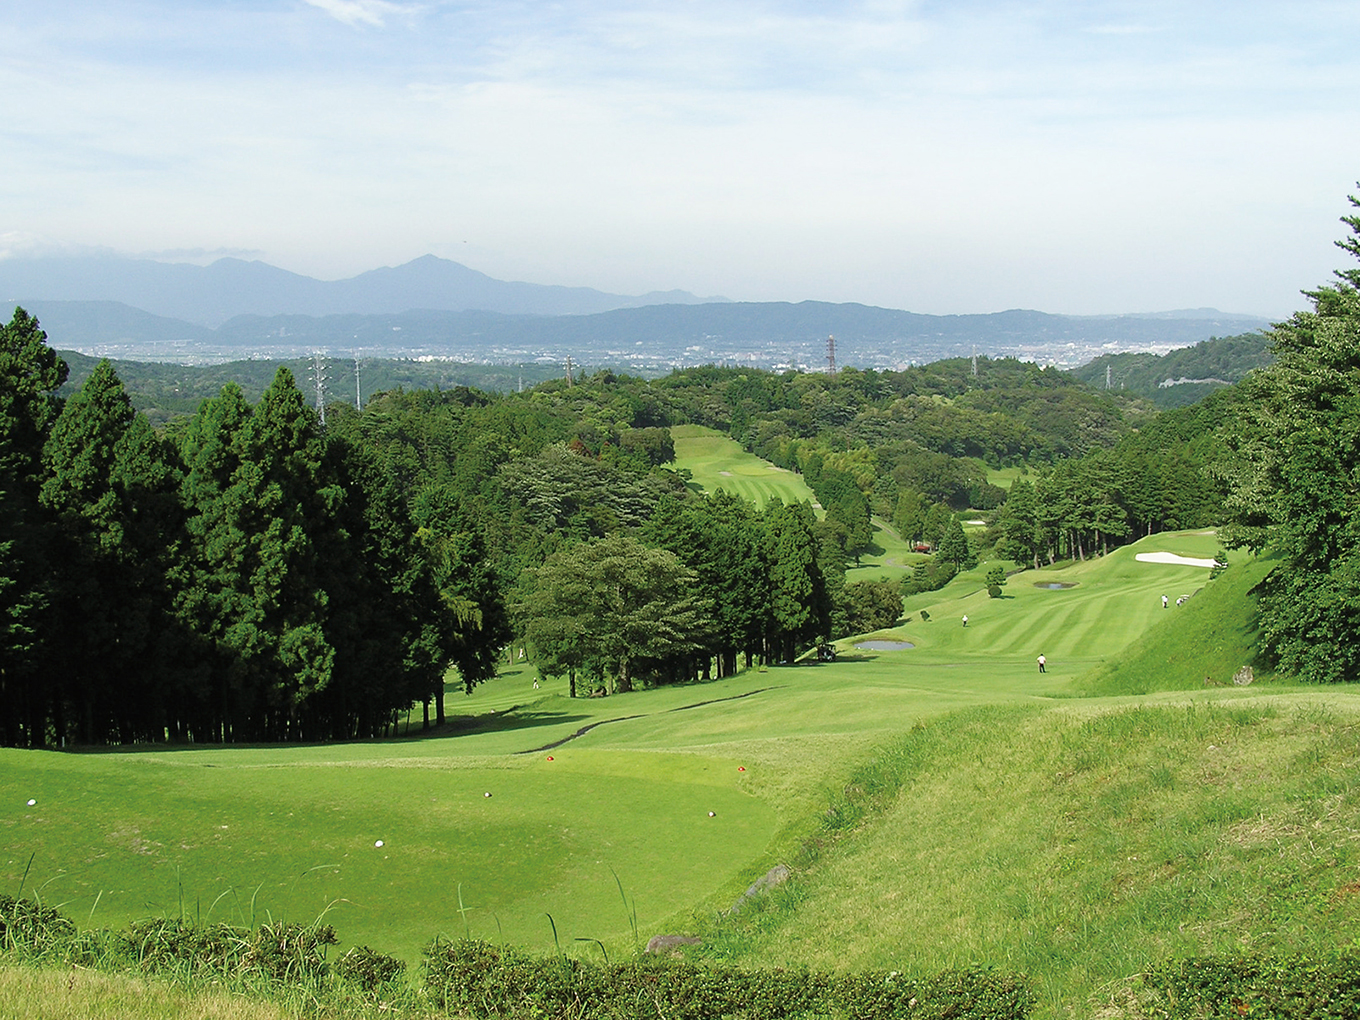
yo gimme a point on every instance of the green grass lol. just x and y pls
(1003, 477)
(1066, 823)
(890, 557)
(242, 836)
(1200, 644)
(717, 462)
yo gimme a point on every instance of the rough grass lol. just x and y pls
(38, 994)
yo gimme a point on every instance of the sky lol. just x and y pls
(942, 157)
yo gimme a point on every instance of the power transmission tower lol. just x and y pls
(974, 362)
(1107, 375)
(570, 382)
(358, 398)
(831, 353)
(319, 373)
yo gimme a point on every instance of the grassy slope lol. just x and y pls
(1084, 840)
(1212, 636)
(1080, 845)
(717, 462)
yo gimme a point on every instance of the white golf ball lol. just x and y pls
(713, 814)
(32, 802)
(378, 843)
(486, 795)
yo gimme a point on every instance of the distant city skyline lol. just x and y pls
(968, 157)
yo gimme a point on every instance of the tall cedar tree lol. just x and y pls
(800, 605)
(30, 374)
(260, 498)
(114, 496)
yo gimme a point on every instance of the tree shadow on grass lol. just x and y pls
(512, 718)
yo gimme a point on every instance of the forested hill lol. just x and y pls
(1181, 377)
(164, 391)
(270, 576)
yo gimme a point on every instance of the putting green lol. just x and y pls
(115, 836)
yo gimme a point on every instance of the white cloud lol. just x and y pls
(370, 12)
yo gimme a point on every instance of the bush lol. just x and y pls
(481, 980)
(1283, 988)
(293, 953)
(367, 969)
(160, 943)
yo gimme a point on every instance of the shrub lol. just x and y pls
(160, 943)
(367, 969)
(481, 980)
(293, 953)
(1286, 988)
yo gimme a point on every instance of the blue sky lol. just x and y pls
(941, 157)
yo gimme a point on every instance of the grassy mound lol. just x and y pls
(1212, 636)
(1082, 844)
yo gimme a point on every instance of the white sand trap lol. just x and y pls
(1172, 558)
(725, 474)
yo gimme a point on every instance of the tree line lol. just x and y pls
(246, 576)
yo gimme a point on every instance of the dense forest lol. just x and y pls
(251, 572)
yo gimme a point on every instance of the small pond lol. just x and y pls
(884, 646)
(1055, 585)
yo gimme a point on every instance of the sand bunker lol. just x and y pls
(885, 646)
(1172, 558)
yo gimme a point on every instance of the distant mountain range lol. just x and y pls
(430, 307)
(210, 295)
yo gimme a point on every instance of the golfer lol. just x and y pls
(1042, 662)
(965, 619)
